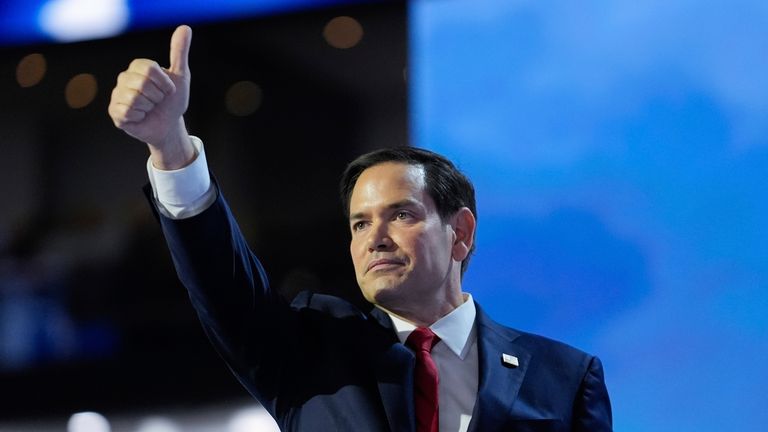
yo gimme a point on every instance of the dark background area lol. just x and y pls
(85, 278)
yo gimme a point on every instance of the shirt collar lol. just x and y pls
(454, 329)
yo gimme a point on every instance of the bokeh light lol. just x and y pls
(31, 70)
(81, 90)
(243, 98)
(343, 32)
(88, 422)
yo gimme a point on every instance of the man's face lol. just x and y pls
(401, 249)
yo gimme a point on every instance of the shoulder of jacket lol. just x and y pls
(327, 304)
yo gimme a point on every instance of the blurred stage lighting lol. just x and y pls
(243, 98)
(75, 20)
(81, 90)
(158, 424)
(88, 422)
(31, 70)
(343, 32)
(252, 419)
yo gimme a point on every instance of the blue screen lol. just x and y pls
(40, 21)
(619, 151)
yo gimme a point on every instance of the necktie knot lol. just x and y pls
(422, 339)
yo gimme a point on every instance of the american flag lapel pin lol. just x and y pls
(509, 360)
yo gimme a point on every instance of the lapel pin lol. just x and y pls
(509, 360)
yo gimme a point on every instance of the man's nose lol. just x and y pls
(380, 239)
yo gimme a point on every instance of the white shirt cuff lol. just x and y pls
(184, 192)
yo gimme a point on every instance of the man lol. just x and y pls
(424, 358)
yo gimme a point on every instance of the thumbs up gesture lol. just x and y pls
(149, 103)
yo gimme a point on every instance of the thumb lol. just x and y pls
(180, 43)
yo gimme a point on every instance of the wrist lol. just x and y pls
(175, 151)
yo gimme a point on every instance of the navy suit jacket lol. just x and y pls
(321, 364)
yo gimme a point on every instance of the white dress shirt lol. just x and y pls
(186, 192)
(456, 359)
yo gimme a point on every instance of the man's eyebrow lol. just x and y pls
(408, 202)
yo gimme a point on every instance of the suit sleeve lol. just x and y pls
(592, 409)
(246, 321)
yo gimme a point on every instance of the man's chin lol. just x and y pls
(383, 293)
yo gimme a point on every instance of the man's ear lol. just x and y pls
(463, 223)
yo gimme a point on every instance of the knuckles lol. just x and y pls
(142, 65)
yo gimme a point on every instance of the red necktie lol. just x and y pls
(421, 342)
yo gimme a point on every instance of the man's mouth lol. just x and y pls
(383, 264)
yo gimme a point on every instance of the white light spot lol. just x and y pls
(252, 419)
(88, 422)
(74, 20)
(158, 424)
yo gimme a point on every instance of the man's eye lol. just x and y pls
(357, 226)
(402, 215)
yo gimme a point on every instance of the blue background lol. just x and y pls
(21, 20)
(619, 150)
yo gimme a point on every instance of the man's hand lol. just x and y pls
(149, 103)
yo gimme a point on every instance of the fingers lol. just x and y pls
(148, 70)
(130, 90)
(128, 105)
(123, 115)
(180, 44)
(139, 89)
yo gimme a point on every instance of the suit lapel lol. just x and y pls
(499, 383)
(393, 366)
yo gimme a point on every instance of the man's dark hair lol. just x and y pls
(448, 187)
